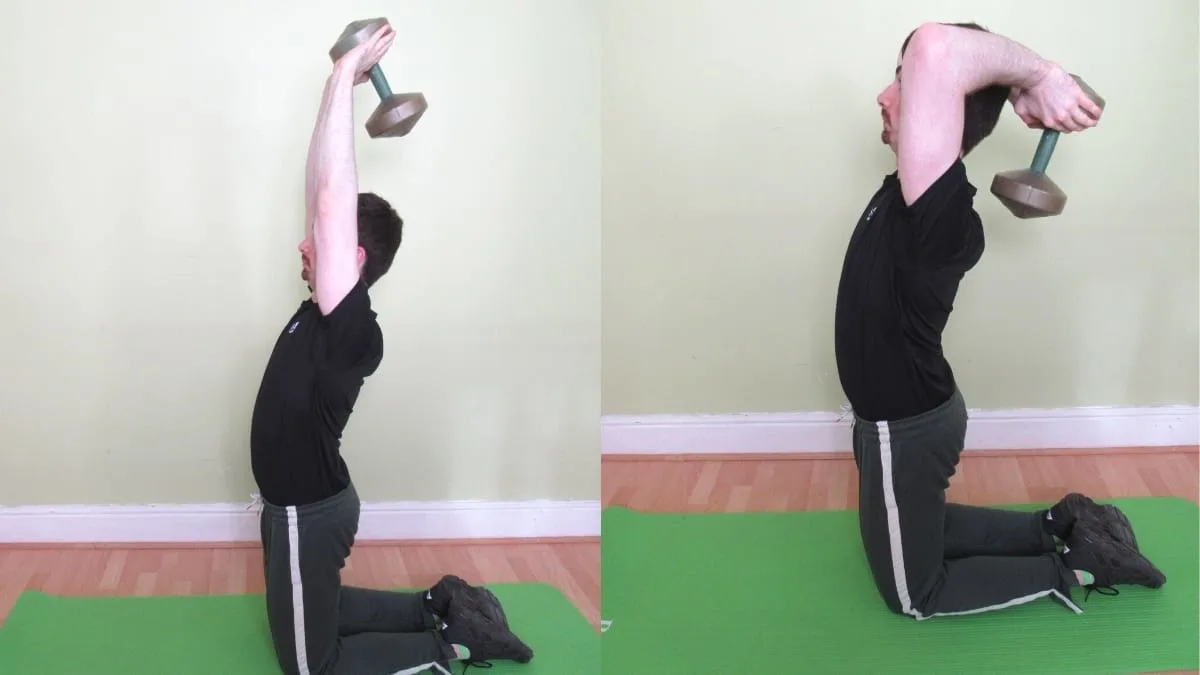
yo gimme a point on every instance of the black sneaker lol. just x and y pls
(487, 640)
(1061, 517)
(453, 589)
(487, 604)
(1112, 562)
(1116, 524)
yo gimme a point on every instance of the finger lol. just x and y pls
(378, 48)
(1084, 119)
(379, 35)
(1066, 121)
(1090, 108)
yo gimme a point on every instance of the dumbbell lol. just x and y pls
(1029, 193)
(396, 114)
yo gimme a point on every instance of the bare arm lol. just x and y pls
(332, 191)
(941, 66)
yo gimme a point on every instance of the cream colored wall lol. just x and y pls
(741, 144)
(152, 186)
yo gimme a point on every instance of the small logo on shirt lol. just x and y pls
(871, 212)
(292, 328)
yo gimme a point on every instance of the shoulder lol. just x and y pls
(353, 335)
(355, 306)
(944, 229)
(950, 195)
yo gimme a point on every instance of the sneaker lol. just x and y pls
(487, 604)
(487, 640)
(1116, 524)
(1112, 562)
(1062, 517)
(452, 589)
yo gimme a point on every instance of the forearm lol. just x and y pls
(332, 177)
(977, 59)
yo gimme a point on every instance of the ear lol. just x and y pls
(362, 257)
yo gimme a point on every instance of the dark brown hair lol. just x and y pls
(379, 233)
(983, 107)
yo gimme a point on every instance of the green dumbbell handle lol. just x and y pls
(1045, 148)
(380, 82)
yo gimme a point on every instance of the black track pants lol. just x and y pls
(930, 558)
(319, 626)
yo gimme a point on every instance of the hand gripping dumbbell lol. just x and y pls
(1029, 193)
(396, 114)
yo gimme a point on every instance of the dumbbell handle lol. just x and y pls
(1045, 148)
(381, 84)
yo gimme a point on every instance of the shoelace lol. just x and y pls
(475, 662)
(1102, 590)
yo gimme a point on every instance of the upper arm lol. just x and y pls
(941, 230)
(931, 113)
(352, 338)
(335, 238)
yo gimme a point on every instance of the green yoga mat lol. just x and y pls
(791, 593)
(227, 635)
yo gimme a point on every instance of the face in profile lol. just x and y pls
(889, 109)
(307, 260)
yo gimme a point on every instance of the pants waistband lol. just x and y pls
(333, 503)
(949, 407)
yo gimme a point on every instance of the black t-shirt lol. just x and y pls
(308, 391)
(899, 280)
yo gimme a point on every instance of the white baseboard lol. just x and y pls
(195, 523)
(789, 433)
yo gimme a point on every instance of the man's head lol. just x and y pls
(379, 233)
(981, 112)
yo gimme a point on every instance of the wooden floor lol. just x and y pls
(738, 484)
(693, 484)
(572, 567)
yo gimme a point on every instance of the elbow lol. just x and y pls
(929, 60)
(332, 206)
(927, 46)
(928, 42)
(333, 226)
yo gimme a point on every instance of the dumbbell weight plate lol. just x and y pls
(396, 115)
(356, 33)
(1028, 194)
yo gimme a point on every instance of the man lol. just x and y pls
(917, 238)
(312, 381)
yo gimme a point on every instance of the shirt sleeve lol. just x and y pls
(944, 233)
(352, 339)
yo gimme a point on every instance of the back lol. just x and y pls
(308, 391)
(899, 281)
